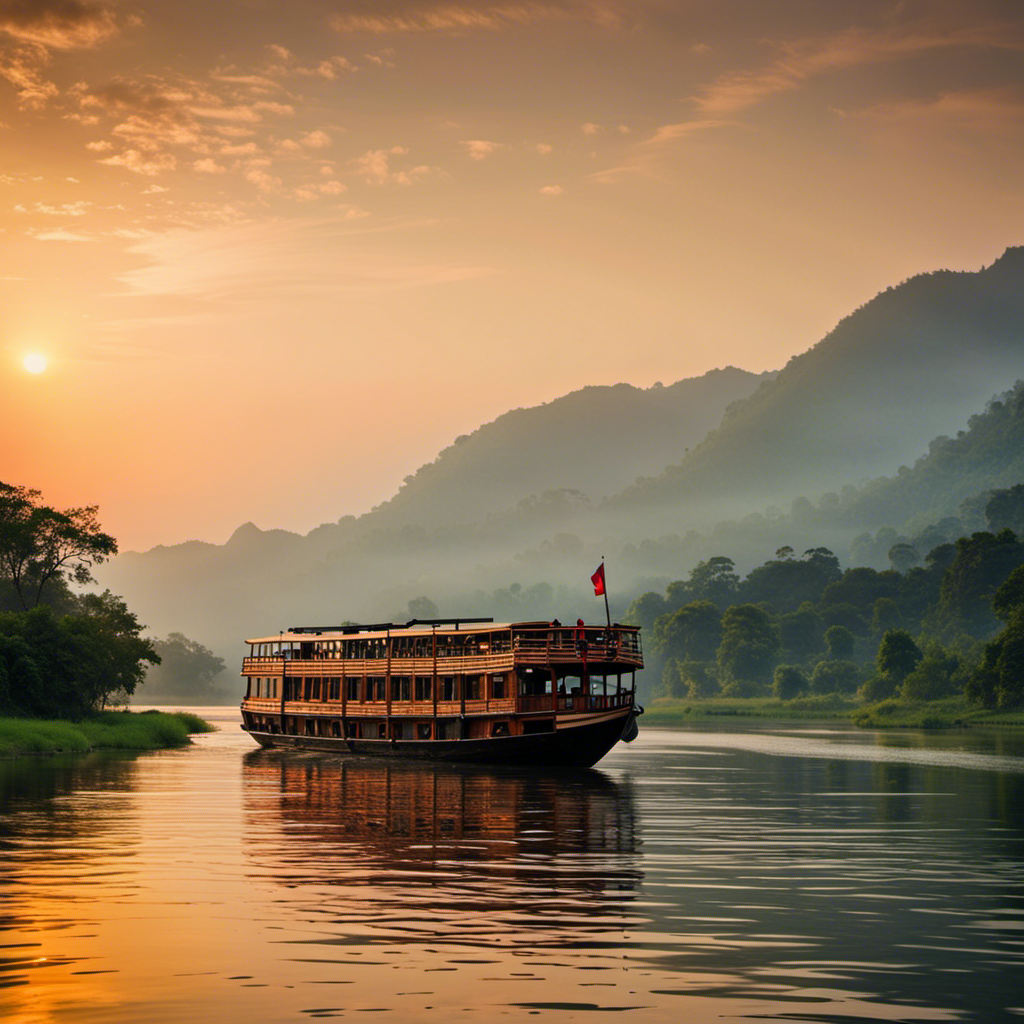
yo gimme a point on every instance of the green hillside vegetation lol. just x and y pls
(801, 627)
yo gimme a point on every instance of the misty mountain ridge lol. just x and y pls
(596, 441)
(911, 364)
(915, 362)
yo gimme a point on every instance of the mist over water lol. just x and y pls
(807, 874)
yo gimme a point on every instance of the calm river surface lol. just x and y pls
(799, 874)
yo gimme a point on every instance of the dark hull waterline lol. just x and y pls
(581, 746)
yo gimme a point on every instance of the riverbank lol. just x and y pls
(950, 713)
(109, 730)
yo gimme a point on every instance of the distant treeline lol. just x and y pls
(800, 624)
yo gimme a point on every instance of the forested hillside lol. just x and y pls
(595, 441)
(910, 365)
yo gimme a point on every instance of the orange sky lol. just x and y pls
(278, 255)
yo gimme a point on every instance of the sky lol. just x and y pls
(278, 255)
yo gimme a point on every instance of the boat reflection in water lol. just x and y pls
(464, 857)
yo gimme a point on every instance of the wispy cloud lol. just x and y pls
(374, 167)
(801, 60)
(480, 149)
(462, 17)
(58, 24)
(991, 111)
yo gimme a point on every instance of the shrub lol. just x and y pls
(789, 682)
(835, 677)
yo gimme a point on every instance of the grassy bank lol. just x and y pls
(671, 711)
(111, 730)
(951, 713)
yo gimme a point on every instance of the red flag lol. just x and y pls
(598, 580)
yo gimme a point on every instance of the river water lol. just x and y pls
(704, 874)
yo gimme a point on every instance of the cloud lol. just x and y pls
(316, 140)
(590, 128)
(137, 162)
(479, 149)
(543, 148)
(375, 167)
(801, 60)
(58, 235)
(57, 24)
(23, 68)
(209, 166)
(551, 190)
(462, 17)
(995, 111)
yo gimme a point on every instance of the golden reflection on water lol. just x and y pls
(695, 877)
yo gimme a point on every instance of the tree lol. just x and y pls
(835, 677)
(750, 644)
(690, 634)
(42, 546)
(935, 676)
(903, 556)
(1005, 510)
(714, 580)
(187, 671)
(788, 682)
(801, 631)
(885, 616)
(898, 655)
(839, 642)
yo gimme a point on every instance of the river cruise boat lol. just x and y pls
(471, 690)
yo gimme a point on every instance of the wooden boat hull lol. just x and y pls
(576, 742)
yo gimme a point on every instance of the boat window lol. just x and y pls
(352, 687)
(400, 688)
(424, 688)
(473, 688)
(449, 688)
(423, 730)
(375, 688)
(498, 687)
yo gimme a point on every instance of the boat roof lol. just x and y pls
(414, 627)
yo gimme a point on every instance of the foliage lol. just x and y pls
(69, 666)
(839, 643)
(789, 682)
(43, 547)
(801, 632)
(690, 634)
(750, 644)
(835, 677)
(898, 655)
(936, 675)
(187, 672)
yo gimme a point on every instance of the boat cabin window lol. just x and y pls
(401, 688)
(449, 687)
(498, 687)
(352, 688)
(375, 688)
(534, 682)
(424, 688)
(473, 688)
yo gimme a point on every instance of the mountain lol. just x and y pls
(596, 441)
(908, 366)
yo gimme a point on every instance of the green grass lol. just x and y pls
(109, 730)
(675, 711)
(949, 713)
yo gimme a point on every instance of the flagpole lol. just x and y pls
(608, 614)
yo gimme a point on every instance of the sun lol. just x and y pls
(34, 362)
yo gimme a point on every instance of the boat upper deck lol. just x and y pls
(437, 646)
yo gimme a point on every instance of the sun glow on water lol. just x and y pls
(34, 362)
